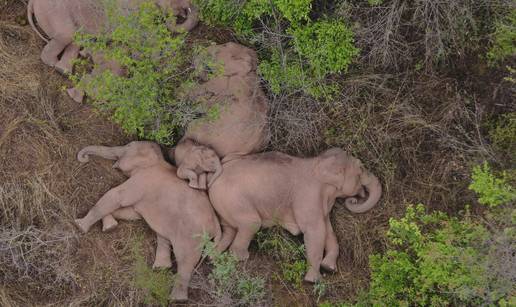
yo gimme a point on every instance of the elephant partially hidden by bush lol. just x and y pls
(59, 20)
(265, 189)
(241, 125)
(178, 214)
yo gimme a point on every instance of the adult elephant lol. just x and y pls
(240, 127)
(60, 19)
(267, 189)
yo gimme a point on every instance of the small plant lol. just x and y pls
(290, 255)
(148, 100)
(504, 39)
(492, 191)
(155, 284)
(229, 281)
(503, 135)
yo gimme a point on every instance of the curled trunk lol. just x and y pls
(111, 153)
(217, 173)
(373, 187)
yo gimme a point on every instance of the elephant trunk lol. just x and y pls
(111, 153)
(191, 21)
(374, 189)
(218, 172)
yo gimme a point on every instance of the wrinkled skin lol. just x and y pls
(272, 188)
(197, 163)
(60, 19)
(241, 127)
(178, 214)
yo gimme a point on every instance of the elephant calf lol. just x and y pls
(178, 214)
(262, 190)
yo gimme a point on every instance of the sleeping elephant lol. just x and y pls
(178, 214)
(197, 163)
(265, 189)
(60, 19)
(241, 126)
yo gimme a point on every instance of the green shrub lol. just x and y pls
(147, 101)
(327, 45)
(437, 260)
(156, 284)
(504, 39)
(287, 252)
(492, 191)
(297, 53)
(229, 281)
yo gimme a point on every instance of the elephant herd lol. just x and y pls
(222, 184)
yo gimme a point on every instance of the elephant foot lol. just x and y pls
(49, 60)
(81, 225)
(109, 223)
(240, 253)
(179, 294)
(75, 94)
(312, 276)
(329, 265)
(162, 264)
(63, 68)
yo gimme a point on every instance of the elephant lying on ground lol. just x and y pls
(60, 19)
(262, 190)
(241, 127)
(178, 214)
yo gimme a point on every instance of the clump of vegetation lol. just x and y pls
(155, 284)
(287, 252)
(491, 190)
(504, 39)
(434, 259)
(298, 53)
(229, 281)
(148, 100)
(503, 135)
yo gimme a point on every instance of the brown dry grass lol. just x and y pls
(419, 133)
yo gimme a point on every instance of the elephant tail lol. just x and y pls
(30, 18)
(218, 231)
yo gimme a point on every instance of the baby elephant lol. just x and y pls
(197, 163)
(262, 190)
(178, 214)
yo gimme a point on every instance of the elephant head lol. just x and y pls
(130, 157)
(184, 9)
(192, 158)
(347, 175)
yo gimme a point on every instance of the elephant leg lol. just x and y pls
(314, 241)
(127, 213)
(187, 255)
(331, 247)
(244, 235)
(76, 94)
(162, 259)
(112, 200)
(65, 64)
(228, 234)
(51, 51)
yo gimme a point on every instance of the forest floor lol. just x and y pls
(420, 133)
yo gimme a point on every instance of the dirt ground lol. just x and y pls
(419, 133)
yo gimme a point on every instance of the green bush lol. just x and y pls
(492, 191)
(156, 284)
(229, 281)
(503, 135)
(297, 53)
(147, 101)
(437, 260)
(504, 39)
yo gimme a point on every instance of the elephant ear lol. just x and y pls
(329, 169)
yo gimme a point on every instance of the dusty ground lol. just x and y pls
(419, 133)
